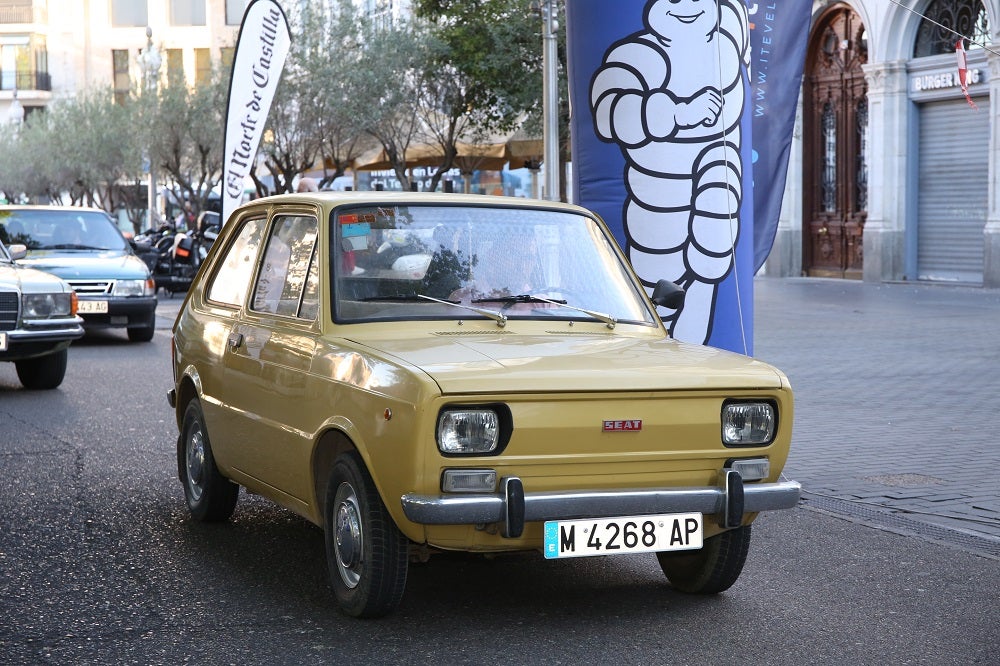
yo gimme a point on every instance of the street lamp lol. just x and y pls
(149, 62)
(550, 96)
(15, 114)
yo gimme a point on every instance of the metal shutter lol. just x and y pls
(953, 190)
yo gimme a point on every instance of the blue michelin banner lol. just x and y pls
(665, 103)
(779, 32)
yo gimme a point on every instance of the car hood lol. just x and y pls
(83, 265)
(29, 281)
(512, 363)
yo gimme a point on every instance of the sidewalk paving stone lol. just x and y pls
(896, 390)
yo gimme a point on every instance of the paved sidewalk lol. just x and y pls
(897, 390)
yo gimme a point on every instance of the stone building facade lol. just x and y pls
(50, 49)
(893, 173)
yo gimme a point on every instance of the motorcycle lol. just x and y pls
(174, 257)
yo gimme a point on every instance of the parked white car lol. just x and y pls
(38, 321)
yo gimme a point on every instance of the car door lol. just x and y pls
(215, 326)
(269, 355)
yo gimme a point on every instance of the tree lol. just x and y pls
(391, 69)
(84, 149)
(478, 45)
(184, 132)
(325, 61)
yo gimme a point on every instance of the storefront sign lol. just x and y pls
(939, 80)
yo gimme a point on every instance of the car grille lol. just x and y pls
(92, 287)
(9, 305)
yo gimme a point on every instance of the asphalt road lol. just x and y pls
(99, 564)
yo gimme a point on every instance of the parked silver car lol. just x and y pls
(38, 321)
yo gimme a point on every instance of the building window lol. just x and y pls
(234, 11)
(128, 13)
(829, 183)
(122, 82)
(202, 66)
(15, 63)
(175, 65)
(227, 55)
(187, 12)
(380, 13)
(966, 17)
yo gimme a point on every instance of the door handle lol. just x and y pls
(235, 340)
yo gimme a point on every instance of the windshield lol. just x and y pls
(60, 229)
(424, 262)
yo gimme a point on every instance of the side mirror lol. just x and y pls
(18, 251)
(666, 294)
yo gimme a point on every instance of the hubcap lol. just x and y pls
(196, 463)
(348, 536)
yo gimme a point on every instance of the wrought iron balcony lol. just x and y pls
(25, 11)
(25, 80)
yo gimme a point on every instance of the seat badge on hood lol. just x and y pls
(627, 425)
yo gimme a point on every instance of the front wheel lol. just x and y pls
(210, 496)
(366, 553)
(43, 372)
(712, 569)
(143, 333)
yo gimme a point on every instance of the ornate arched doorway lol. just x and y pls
(835, 124)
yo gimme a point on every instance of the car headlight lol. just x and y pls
(748, 423)
(44, 306)
(468, 431)
(134, 287)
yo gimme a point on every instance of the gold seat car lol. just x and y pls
(419, 373)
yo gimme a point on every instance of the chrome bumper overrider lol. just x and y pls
(513, 507)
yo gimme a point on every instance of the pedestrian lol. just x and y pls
(185, 218)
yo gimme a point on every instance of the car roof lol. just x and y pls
(46, 208)
(337, 198)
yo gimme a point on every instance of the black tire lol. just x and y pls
(43, 372)
(712, 569)
(210, 496)
(366, 554)
(143, 333)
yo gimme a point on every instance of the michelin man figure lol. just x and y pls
(672, 98)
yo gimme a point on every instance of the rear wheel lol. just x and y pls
(210, 496)
(43, 372)
(712, 569)
(366, 554)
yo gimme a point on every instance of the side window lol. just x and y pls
(284, 280)
(232, 280)
(310, 298)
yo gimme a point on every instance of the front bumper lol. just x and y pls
(512, 507)
(134, 311)
(40, 337)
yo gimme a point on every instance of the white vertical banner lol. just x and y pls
(261, 49)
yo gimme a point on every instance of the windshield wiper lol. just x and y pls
(520, 298)
(393, 297)
(73, 246)
(606, 318)
(499, 317)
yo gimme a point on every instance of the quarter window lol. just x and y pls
(231, 282)
(285, 285)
